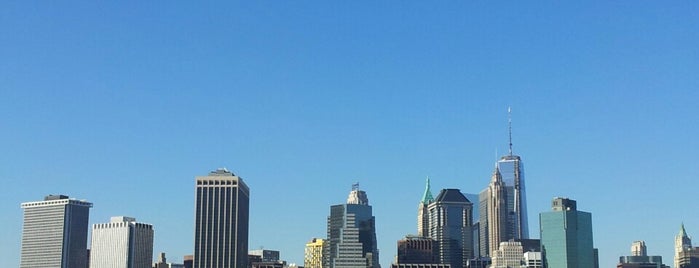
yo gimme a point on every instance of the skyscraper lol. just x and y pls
(121, 243)
(686, 256)
(450, 226)
(497, 212)
(351, 241)
(566, 236)
(221, 221)
(423, 219)
(55, 233)
(313, 254)
(512, 171)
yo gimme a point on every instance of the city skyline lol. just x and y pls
(123, 104)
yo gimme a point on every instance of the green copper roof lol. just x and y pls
(683, 233)
(427, 197)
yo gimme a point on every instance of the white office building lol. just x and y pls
(121, 243)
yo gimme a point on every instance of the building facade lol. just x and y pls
(496, 212)
(686, 256)
(508, 255)
(351, 240)
(416, 250)
(566, 236)
(54, 233)
(423, 219)
(512, 171)
(639, 258)
(222, 208)
(313, 254)
(121, 243)
(450, 227)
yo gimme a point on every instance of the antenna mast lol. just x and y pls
(509, 125)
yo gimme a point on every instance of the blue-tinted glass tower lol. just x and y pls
(566, 236)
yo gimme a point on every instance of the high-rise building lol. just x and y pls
(686, 256)
(416, 250)
(54, 233)
(511, 171)
(450, 226)
(423, 219)
(351, 241)
(566, 236)
(313, 254)
(221, 221)
(639, 258)
(497, 212)
(121, 243)
(508, 255)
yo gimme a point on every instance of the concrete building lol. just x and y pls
(351, 241)
(313, 254)
(416, 250)
(222, 210)
(508, 255)
(566, 236)
(121, 243)
(496, 212)
(686, 256)
(450, 226)
(54, 233)
(639, 258)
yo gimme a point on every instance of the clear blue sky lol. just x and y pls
(123, 104)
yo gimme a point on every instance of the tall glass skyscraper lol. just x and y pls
(121, 243)
(351, 241)
(221, 221)
(512, 172)
(450, 224)
(55, 233)
(566, 236)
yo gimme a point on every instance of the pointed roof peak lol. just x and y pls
(683, 233)
(427, 196)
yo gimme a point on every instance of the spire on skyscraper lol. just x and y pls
(682, 233)
(497, 177)
(427, 197)
(509, 126)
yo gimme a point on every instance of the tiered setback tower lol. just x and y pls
(221, 221)
(55, 233)
(122, 243)
(351, 239)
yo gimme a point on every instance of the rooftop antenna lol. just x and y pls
(509, 125)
